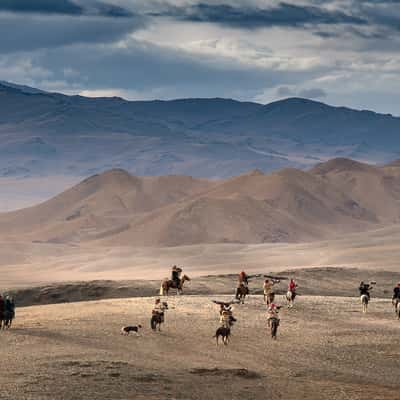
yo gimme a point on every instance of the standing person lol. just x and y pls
(2, 310)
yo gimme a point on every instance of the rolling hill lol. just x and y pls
(116, 208)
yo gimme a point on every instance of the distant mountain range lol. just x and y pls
(116, 208)
(45, 133)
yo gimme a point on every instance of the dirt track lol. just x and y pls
(326, 349)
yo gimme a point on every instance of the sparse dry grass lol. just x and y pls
(326, 348)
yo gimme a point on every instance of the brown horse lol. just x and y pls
(168, 284)
(269, 298)
(241, 292)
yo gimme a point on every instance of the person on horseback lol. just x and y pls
(272, 312)
(176, 276)
(243, 279)
(159, 309)
(225, 307)
(292, 288)
(227, 319)
(364, 288)
(268, 287)
(396, 294)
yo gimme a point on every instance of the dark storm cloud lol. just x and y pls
(284, 15)
(64, 7)
(170, 73)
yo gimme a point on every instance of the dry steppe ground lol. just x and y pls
(326, 349)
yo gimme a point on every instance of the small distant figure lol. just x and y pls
(396, 299)
(176, 282)
(291, 293)
(365, 295)
(126, 330)
(243, 279)
(227, 319)
(273, 319)
(9, 312)
(242, 289)
(158, 314)
(269, 294)
(176, 276)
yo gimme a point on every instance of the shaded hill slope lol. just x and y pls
(116, 208)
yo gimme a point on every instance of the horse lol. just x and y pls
(274, 323)
(270, 297)
(396, 304)
(7, 319)
(168, 284)
(241, 292)
(364, 302)
(290, 296)
(224, 332)
(157, 318)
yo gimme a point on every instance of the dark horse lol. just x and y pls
(241, 292)
(168, 284)
(224, 332)
(274, 323)
(157, 318)
(8, 317)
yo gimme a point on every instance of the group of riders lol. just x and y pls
(7, 311)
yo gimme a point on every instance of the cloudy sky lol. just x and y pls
(343, 52)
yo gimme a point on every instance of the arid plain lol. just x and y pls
(115, 236)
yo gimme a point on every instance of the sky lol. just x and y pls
(342, 52)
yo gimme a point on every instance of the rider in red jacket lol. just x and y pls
(292, 287)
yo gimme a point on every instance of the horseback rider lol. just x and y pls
(396, 294)
(176, 276)
(268, 286)
(225, 307)
(364, 288)
(243, 279)
(272, 312)
(9, 306)
(292, 288)
(159, 309)
(227, 319)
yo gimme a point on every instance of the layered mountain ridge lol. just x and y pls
(289, 205)
(46, 134)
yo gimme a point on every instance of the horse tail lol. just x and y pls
(162, 289)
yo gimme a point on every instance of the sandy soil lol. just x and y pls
(326, 349)
(27, 264)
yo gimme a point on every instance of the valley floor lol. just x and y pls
(326, 348)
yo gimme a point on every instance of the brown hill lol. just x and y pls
(374, 188)
(116, 208)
